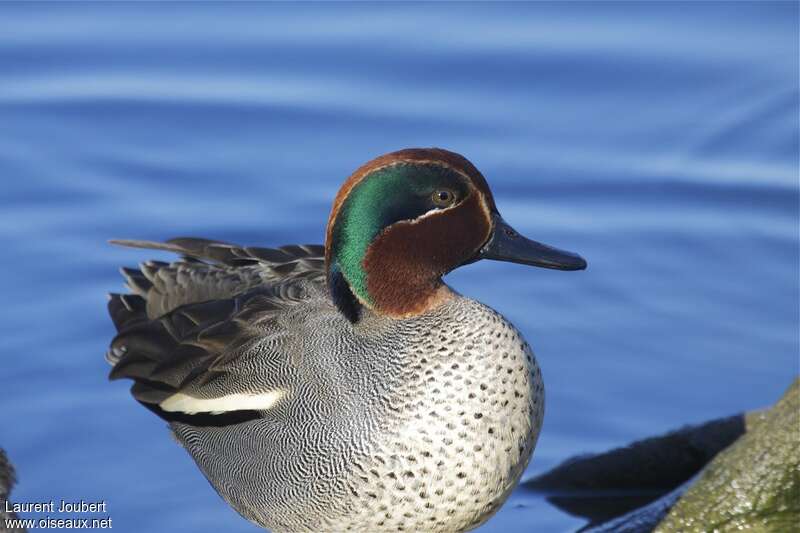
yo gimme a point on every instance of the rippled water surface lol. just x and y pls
(660, 141)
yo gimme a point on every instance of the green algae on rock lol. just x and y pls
(752, 485)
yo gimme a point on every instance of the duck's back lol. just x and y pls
(304, 421)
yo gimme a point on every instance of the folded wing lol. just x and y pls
(190, 331)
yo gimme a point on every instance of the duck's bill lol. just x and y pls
(506, 244)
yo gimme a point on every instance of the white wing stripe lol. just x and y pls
(183, 403)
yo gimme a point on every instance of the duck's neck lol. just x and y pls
(399, 293)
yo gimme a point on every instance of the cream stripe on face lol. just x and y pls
(183, 403)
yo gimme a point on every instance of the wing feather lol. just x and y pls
(212, 270)
(186, 334)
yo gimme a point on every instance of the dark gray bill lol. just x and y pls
(506, 244)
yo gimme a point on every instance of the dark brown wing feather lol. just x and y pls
(187, 320)
(213, 269)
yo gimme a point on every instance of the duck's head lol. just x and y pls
(405, 219)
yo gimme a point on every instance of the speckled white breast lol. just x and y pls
(465, 420)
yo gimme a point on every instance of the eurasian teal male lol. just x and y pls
(346, 388)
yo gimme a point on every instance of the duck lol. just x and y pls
(345, 387)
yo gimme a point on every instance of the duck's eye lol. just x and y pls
(443, 198)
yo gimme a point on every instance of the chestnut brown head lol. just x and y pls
(405, 219)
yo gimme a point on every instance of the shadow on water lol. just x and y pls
(601, 487)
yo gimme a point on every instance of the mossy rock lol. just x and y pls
(752, 485)
(7, 476)
(603, 486)
(7, 480)
(731, 474)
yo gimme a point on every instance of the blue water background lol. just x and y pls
(658, 140)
